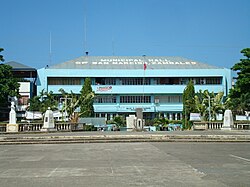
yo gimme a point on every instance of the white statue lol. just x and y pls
(247, 113)
(12, 115)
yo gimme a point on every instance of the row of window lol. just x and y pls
(135, 81)
(64, 81)
(168, 99)
(105, 99)
(139, 99)
(135, 99)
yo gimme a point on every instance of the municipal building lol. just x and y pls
(124, 83)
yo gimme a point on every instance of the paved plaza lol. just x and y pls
(125, 164)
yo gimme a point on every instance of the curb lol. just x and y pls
(122, 138)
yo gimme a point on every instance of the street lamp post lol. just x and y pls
(64, 101)
(209, 108)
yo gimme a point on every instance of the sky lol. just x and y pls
(46, 32)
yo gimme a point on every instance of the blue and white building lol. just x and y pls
(124, 83)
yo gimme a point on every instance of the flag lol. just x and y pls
(144, 66)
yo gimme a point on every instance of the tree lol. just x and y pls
(70, 105)
(48, 100)
(188, 104)
(205, 108)
(8, 84)
(43, 101)
(1, 56)
(161, 122)
(34, 103)
(86, 99)
(119, 121)
(239, 95)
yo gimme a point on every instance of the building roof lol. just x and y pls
(18, 66)
(21, 70)
(132, 62)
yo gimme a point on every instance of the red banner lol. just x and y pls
(104, 88)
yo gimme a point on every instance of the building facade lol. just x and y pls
(122, 84)
(27, 79)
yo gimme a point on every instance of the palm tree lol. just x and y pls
(209, 104)
(43, 101)
(48, 100)
(161, 122)
(71, 106)
(217, 105)
(200, 106)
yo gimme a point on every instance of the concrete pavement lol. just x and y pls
(126, 164)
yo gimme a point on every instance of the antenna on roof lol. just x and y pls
(113, 46)
(50, 48)
(85, 28)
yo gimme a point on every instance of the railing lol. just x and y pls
(2, 127)
(29, 127)
(214, 125)
(66, 126)
(241, 125)
(36, 127)
(207, 125)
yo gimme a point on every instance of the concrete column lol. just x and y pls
(180, 116)
(176, 116)
(111, 116)
(170, 116)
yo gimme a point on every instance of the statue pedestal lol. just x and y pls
(226, 128)
(48, 130)
(12, 128)
(48, 124)
(228, 121)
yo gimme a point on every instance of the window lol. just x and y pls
(135, 81)
(110, 81)
(135, 99)
(105, 81)
(213, 80)
(64, 81)
(23, 100)
(169, 99)
(200, 80)
(105, 99)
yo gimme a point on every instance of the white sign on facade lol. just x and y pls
(124, 61)
(195, 117)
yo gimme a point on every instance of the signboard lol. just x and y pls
(195, 117)
(104, 88)
(241, 118)
(33, 115)
(131, 61)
